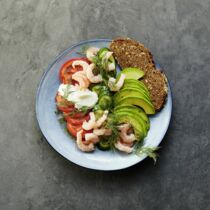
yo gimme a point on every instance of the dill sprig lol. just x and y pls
(83, 50)
(113, 125)
(149, 151)
(67, 91)
(84, 110)
(61, 120)
(97, 61)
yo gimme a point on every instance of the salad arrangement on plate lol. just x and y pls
(106, 109)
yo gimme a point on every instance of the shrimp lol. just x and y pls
(116, 86)
(111, 66)
(91, 53)
(81, 78)
(102, 131)
(101, 120)
(123, 147)
(108, 132)
(91, 123)
(83, 147)
(91, 137)
(107, 55)
(99, 132)
(80, 63)
(93, 78)
(127, 138)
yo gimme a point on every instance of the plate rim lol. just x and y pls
(59, 56)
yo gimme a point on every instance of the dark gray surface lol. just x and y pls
(34, 176)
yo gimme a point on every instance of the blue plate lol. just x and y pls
(59, 139)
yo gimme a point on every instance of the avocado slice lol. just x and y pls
(138, 111)
(138, 118)
(132, 73)
(135, 83)
(134, 86)
(131, 91)
(137, 100)
(123, 117)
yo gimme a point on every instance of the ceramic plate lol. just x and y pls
(59, 139)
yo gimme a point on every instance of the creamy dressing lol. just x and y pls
(79, 97)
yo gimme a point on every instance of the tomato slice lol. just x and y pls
(63, 105)
(77, 121)
(67, 70)
(73, 129)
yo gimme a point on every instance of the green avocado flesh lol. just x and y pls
(137, 100)
(137, 124)
(132, 73)
(136, 84)
(136, 110)
(131, 91)
(134, 116)
(134, 92)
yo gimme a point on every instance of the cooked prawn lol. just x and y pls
(127, 138)
(81, 78)
(123, 147)
(108, 132)
(99, 132)
(93, 78)
(102, 131)
(91, 137)
(84, 147)
(91, 123)
(80, 63)
(116, 86)
(91, 53)
(111, 66)
(102, 119)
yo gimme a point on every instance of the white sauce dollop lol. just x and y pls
(79, 97)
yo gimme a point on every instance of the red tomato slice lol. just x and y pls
(77, 121)
(73, 129)
(63, 105)
(77, 115)
(67, 70)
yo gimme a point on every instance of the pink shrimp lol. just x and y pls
(123, 147)
(83, 147)
(81, 78)
(101, 120)
(91, 123)
(93, 78)
(91, 137)
(127, 138)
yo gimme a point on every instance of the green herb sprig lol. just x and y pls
(113, 125)
(149, 151)
(83, 50)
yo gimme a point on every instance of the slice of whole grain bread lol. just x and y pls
(130, 53)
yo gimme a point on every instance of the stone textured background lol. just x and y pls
(33, 175)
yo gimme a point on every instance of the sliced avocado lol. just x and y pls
(139, 130)
(135, 83)
(136, 86)
(132, 73)
(138, 111)
(146, 105)
(139, 119)
(131, 91)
